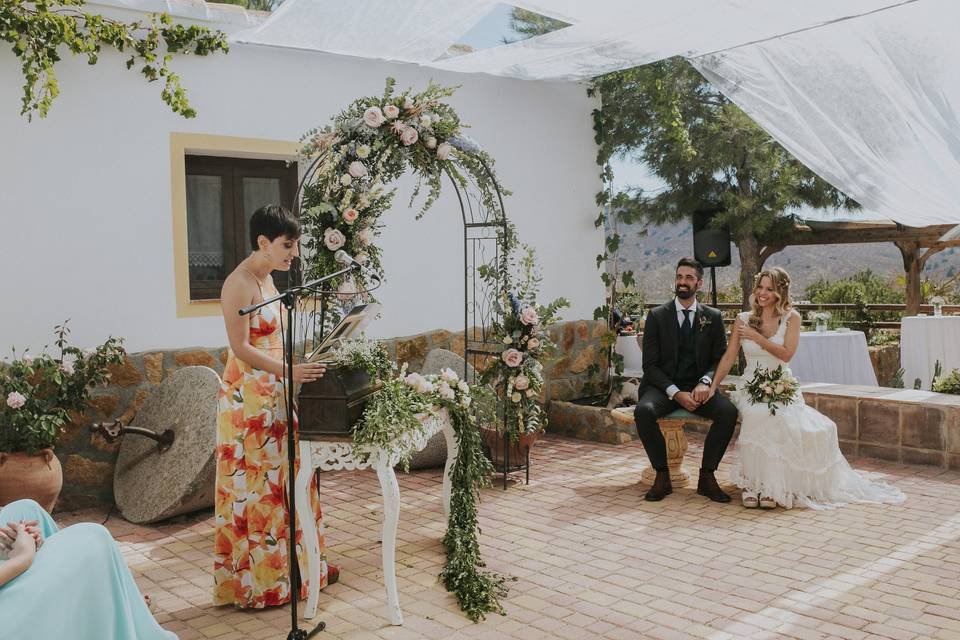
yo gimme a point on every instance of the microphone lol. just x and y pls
(347, 260)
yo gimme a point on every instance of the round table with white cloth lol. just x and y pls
(923, 341)
(837, 357)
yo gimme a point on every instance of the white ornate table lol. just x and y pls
(837, 357)
(924, 340)
(337, 455)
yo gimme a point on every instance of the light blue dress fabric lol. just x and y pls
(77, 588)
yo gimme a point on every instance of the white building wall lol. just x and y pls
(85, 194)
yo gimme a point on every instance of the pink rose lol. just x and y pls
(391, 111)
(443, 151)
(521, 382)
(15, 400)
(408, 136)
(512, 357)
(398, 126)
(533, 343)
(357, 170)
(333, 239)
(350, 215)
(365, 237)
(67, 367)
(443, 388)
(528, 315)
(373, 117)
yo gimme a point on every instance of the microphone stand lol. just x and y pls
(289, 299)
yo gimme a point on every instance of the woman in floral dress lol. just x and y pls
(251, 535)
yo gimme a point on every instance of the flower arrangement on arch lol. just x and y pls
(369, 145)
(39, 393)
(522, 326)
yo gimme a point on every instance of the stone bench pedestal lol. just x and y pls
(671, 426)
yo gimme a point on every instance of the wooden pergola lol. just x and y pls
(910, 241)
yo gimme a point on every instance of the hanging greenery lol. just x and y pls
(392, 415)
(367, 147)
(40, 30)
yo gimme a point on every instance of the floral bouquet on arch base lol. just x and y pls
(773, 388)
(522, 325)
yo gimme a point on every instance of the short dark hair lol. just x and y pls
(693, 264)
(273, 221)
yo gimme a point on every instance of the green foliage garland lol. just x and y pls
(391, 414)
(38, 30)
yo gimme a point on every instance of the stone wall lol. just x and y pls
(886, 362)
(88, 460)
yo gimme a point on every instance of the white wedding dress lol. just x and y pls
(793, 456)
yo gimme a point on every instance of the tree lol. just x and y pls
(709, 153)
(530, 24)
(41, 29)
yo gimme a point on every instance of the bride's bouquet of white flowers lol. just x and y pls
(772, 387)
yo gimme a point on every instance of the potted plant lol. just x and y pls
(630, 307)
(39, 395)
(948, 383)
(521, 325)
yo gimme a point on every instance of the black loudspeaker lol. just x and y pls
(711, 245)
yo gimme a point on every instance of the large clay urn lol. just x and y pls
(37, 476)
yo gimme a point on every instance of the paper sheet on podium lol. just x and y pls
(350, 326)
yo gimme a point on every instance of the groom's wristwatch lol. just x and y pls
(707, 380)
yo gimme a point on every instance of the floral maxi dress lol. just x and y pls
(251, 531)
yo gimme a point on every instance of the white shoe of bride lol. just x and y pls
(767, 503)
(749, 500)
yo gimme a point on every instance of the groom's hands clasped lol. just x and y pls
(702, 393)
(685, 400)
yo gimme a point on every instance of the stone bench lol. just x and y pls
(671, 425)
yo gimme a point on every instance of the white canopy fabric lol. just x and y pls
(864, 92)
(872, 105)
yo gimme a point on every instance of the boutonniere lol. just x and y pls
(704, 323)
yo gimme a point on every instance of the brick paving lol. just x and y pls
(591, 559)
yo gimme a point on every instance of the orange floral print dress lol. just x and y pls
(251, 532)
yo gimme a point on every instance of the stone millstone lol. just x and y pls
(435, 453)
(149, 485)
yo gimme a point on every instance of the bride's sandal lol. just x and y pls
(749, 500)
(767, 503)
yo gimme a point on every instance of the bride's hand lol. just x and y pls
(746, 332)
(702, 393)
(308, 371)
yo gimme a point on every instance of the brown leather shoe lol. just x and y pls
(661, 487)
(707, 486)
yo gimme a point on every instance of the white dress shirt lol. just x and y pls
(673, 389)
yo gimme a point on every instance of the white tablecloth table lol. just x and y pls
(923, 341)
(837, 357)
(336, 455)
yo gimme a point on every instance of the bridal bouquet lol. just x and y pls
(772, 388)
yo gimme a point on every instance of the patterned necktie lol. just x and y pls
(687, 327)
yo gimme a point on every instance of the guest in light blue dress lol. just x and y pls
(76, 585)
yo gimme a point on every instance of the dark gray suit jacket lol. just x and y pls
(661, 343)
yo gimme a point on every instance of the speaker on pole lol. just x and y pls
(711, 245)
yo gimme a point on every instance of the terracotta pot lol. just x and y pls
(518, 449)
(37, 476)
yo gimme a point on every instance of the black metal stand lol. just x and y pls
(506, 461)
(289, 299)
(713, 284)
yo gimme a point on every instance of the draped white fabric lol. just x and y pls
(872, 105)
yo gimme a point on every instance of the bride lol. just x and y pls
(790, 458)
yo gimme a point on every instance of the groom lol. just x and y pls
(682, 343)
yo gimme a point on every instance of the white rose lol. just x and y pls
(363, 151)
(333, 239)
(407, 103)
(515, 397)
(357, 170)
(391, 111)
(443, 151)
(449, 375)
(15, 400)
(463, 386)
(445, 391)
(507, 340)
(466, 400)
(346, 180)
(435, 117)
(373, 117)
(365, 237)
(431, 143)
(425, 120)
(778, 388)
(409, 136)
(67, 367)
